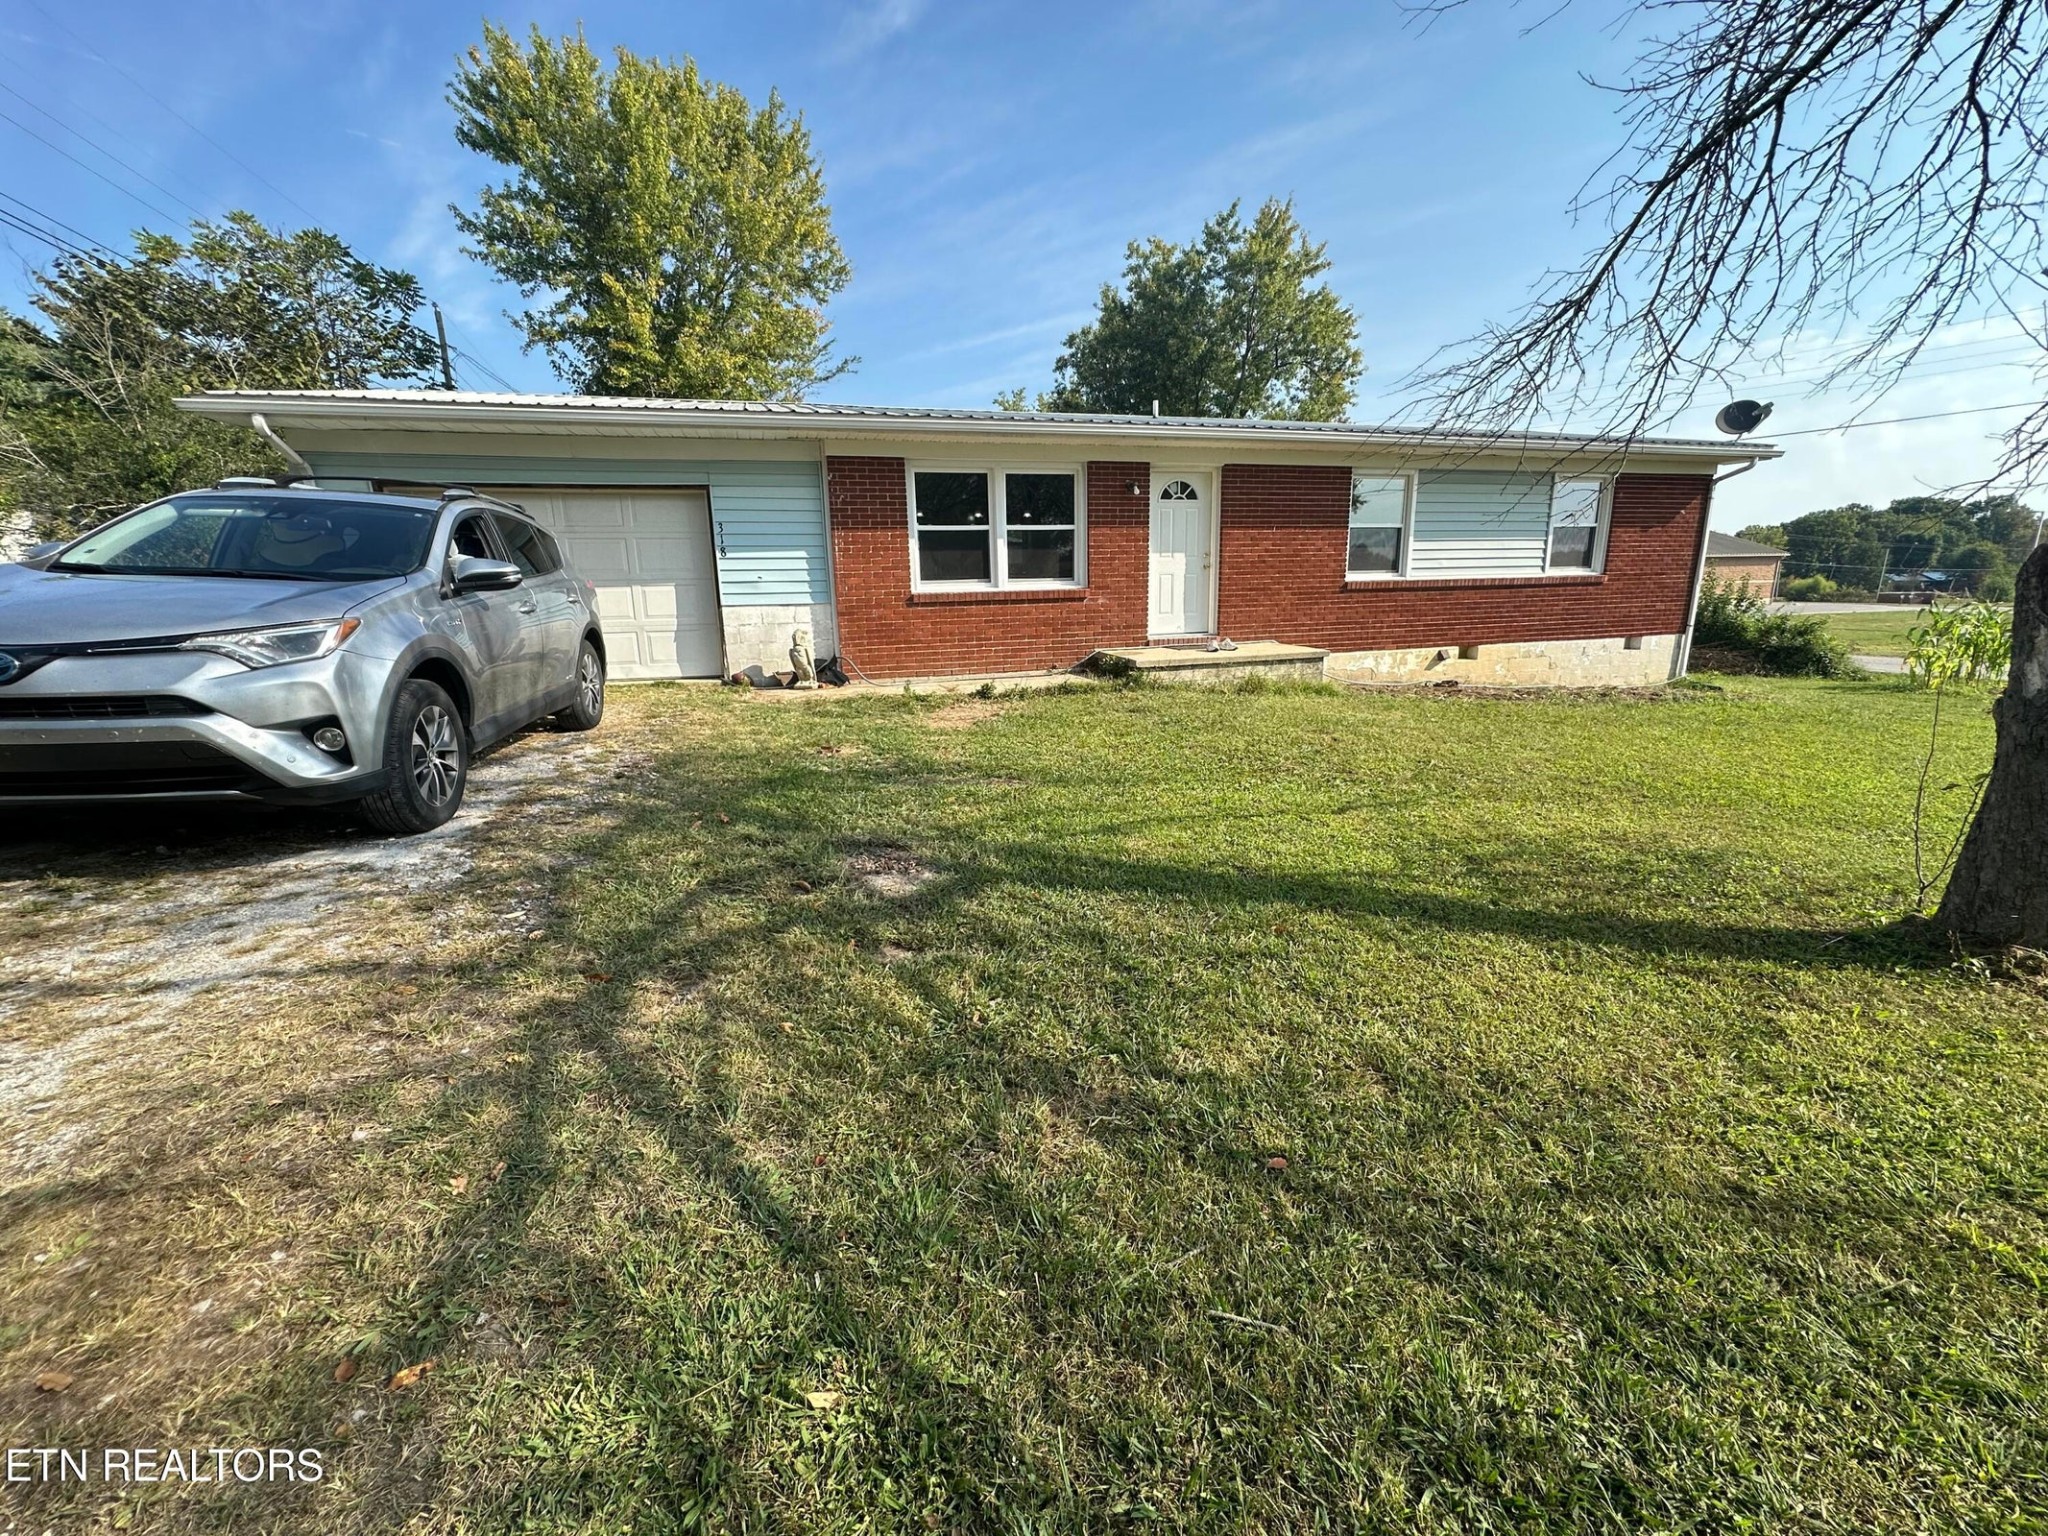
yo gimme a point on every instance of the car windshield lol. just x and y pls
(275, 537)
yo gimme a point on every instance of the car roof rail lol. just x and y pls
(471, 493)
(268, 483)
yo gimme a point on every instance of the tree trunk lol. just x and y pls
(1999, 891)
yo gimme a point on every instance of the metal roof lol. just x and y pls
(1727, 544)
(452, 407)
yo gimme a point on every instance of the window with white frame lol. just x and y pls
(1575, 523)
(995, 527)
(1380, 508)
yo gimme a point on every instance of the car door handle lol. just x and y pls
(529, 606)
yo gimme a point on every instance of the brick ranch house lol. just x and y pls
(1744, 562)
(924, 543)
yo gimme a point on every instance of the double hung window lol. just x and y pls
(1575, 524)
(1380, 513)
(996, 527)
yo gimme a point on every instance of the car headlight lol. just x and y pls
(273, 647)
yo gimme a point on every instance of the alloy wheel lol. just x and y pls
(590, 680)
(436, 755)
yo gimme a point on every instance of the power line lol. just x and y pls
(92, 53)
(94, 144)
(56, 223)
(1928, 367)
(2029, 355)
(484, 368)
(57, 243)
(144, 147)
(1825, 358)
(103, 176)
(1893, 421)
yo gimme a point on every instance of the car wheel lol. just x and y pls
(426, 762)
(588, 708)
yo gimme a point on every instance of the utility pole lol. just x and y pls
(447, 368)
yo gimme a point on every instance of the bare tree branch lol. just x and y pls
(1873, 169)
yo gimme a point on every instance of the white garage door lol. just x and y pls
(649, 554)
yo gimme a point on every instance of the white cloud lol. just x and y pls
(984, 339)
(867, 27)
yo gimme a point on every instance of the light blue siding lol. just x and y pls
(767, 516)
(1480, 522)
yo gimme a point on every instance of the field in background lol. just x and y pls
(1875, 634)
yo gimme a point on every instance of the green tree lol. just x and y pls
(1984, 540)
(1231, 324)
(1973, 564)
(87, 423)
(679, 239)
(2008, 524)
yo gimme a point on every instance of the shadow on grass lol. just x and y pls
(922, 1433)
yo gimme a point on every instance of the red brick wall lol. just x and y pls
(1282, 576)
(1759, 575)
(889, 631)
(1284, 547)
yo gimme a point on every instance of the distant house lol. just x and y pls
(1744, 562)
(924, 542)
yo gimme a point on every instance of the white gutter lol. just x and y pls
(823, 423)
(1699, 573)
(291, 454)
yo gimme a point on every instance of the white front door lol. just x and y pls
(1183, 553)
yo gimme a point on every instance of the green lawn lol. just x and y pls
(1875, 634)
(1283, 1111)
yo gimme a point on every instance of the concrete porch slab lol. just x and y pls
(922, 685)
(1251, 658)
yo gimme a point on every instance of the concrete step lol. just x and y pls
(1184, 664)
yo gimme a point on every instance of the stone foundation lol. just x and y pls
(1540, 663)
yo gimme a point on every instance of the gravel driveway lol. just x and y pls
(129, 934)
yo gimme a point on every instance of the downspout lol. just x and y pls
(291, 455)
(1699, 571)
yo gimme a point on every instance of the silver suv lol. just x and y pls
(271, 642)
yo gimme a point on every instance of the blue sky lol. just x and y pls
(986, 164)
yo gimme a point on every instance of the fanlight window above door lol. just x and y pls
(1178, 490)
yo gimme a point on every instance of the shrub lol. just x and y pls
(1732, 618)
(1799, 645)
(1810, 589)
(1727, 610)
(1964, 643)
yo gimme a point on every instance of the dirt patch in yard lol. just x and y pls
(889, 873)
(965, 715)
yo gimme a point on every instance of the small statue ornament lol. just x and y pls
(800, 660)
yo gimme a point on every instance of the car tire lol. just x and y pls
(426, 762)
(588, 708)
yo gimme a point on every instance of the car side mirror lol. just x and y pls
(39, 556)
(473, 573)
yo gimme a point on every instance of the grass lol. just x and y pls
(1874, 634)
(1282, 1110)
